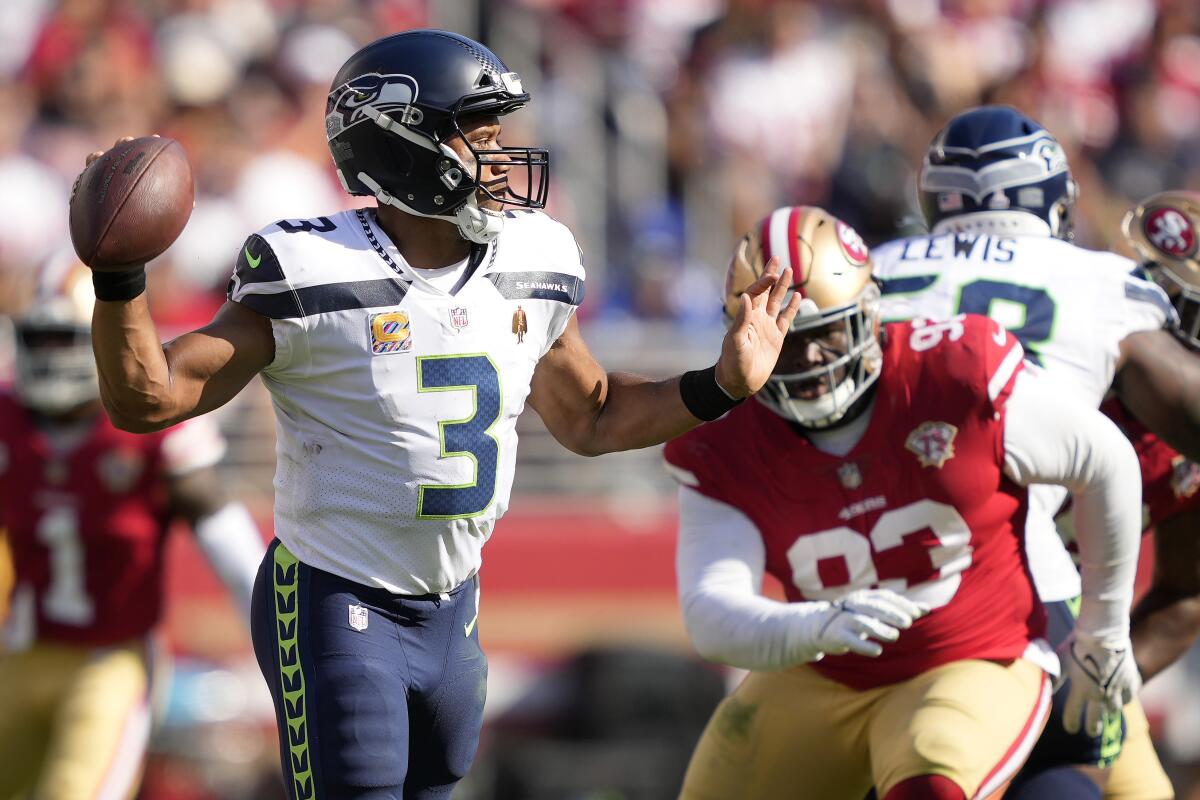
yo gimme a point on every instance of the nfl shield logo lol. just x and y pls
(358, 618)
(932, 443)
(850, 475)
(458, 318)
(119, 470)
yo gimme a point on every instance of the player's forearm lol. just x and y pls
(1047, 440)
(1108, 561)
(745, 630)
(135, 384)
(1167, 620)
(231, 543)
(1165, 624)
(638, 413)
(1160, 383)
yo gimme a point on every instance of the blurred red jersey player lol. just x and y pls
(1165, 231)
(86, 508)
(880, 476)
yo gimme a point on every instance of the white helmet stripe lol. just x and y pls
(778, 232)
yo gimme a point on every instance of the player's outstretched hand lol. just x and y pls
(855, 624)
(1103, 679)
(752, 344)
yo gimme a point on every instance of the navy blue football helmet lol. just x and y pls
(393, 107)
(993, 169)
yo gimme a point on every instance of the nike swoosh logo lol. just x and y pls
(251, 260)
(470, 626)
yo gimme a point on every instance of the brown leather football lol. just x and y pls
(131, 203)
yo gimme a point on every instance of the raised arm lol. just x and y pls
(591, 411)
(147, 386)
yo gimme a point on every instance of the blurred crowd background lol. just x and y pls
(673, 125)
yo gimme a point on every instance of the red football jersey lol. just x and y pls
(920, 505)
(1170, 482)
(86, 527)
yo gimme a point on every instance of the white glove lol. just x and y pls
(1103, 678)
(850, 624)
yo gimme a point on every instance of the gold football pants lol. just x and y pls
(797, 734)
(73, 721)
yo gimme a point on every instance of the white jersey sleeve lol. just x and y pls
(1047, 440)
(396, 399)
(719, 563)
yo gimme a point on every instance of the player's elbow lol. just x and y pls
(135, 417)
(582, 440)
(589, 448)
(703, 629)
(131, 424)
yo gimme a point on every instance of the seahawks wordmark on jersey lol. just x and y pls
(1069, 307)
(396, 396)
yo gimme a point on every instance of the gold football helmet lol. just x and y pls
(1164, 230)
(831, 269)
(55, 368)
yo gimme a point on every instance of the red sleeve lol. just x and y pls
(692, 462)
(709, 460)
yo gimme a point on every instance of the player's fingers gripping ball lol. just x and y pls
(130, 203)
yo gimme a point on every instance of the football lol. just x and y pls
(131, 203)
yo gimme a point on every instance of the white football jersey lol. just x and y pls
(1069, 307)
(396, 401)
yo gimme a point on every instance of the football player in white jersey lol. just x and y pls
(399, 344)
(997, 193)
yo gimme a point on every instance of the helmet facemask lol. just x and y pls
(847, 337)
(1186, 299)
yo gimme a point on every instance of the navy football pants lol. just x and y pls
(377, 696)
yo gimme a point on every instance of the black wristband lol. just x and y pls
(124, 285)
(703, 396)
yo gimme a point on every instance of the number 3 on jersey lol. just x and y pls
(469, 437)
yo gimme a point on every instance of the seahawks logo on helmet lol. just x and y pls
(386, 93)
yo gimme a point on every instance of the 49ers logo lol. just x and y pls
(1170, 231)
(852, 244)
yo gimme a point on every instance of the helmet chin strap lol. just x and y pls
(475, 224)
(478, 225)
(823, 411)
